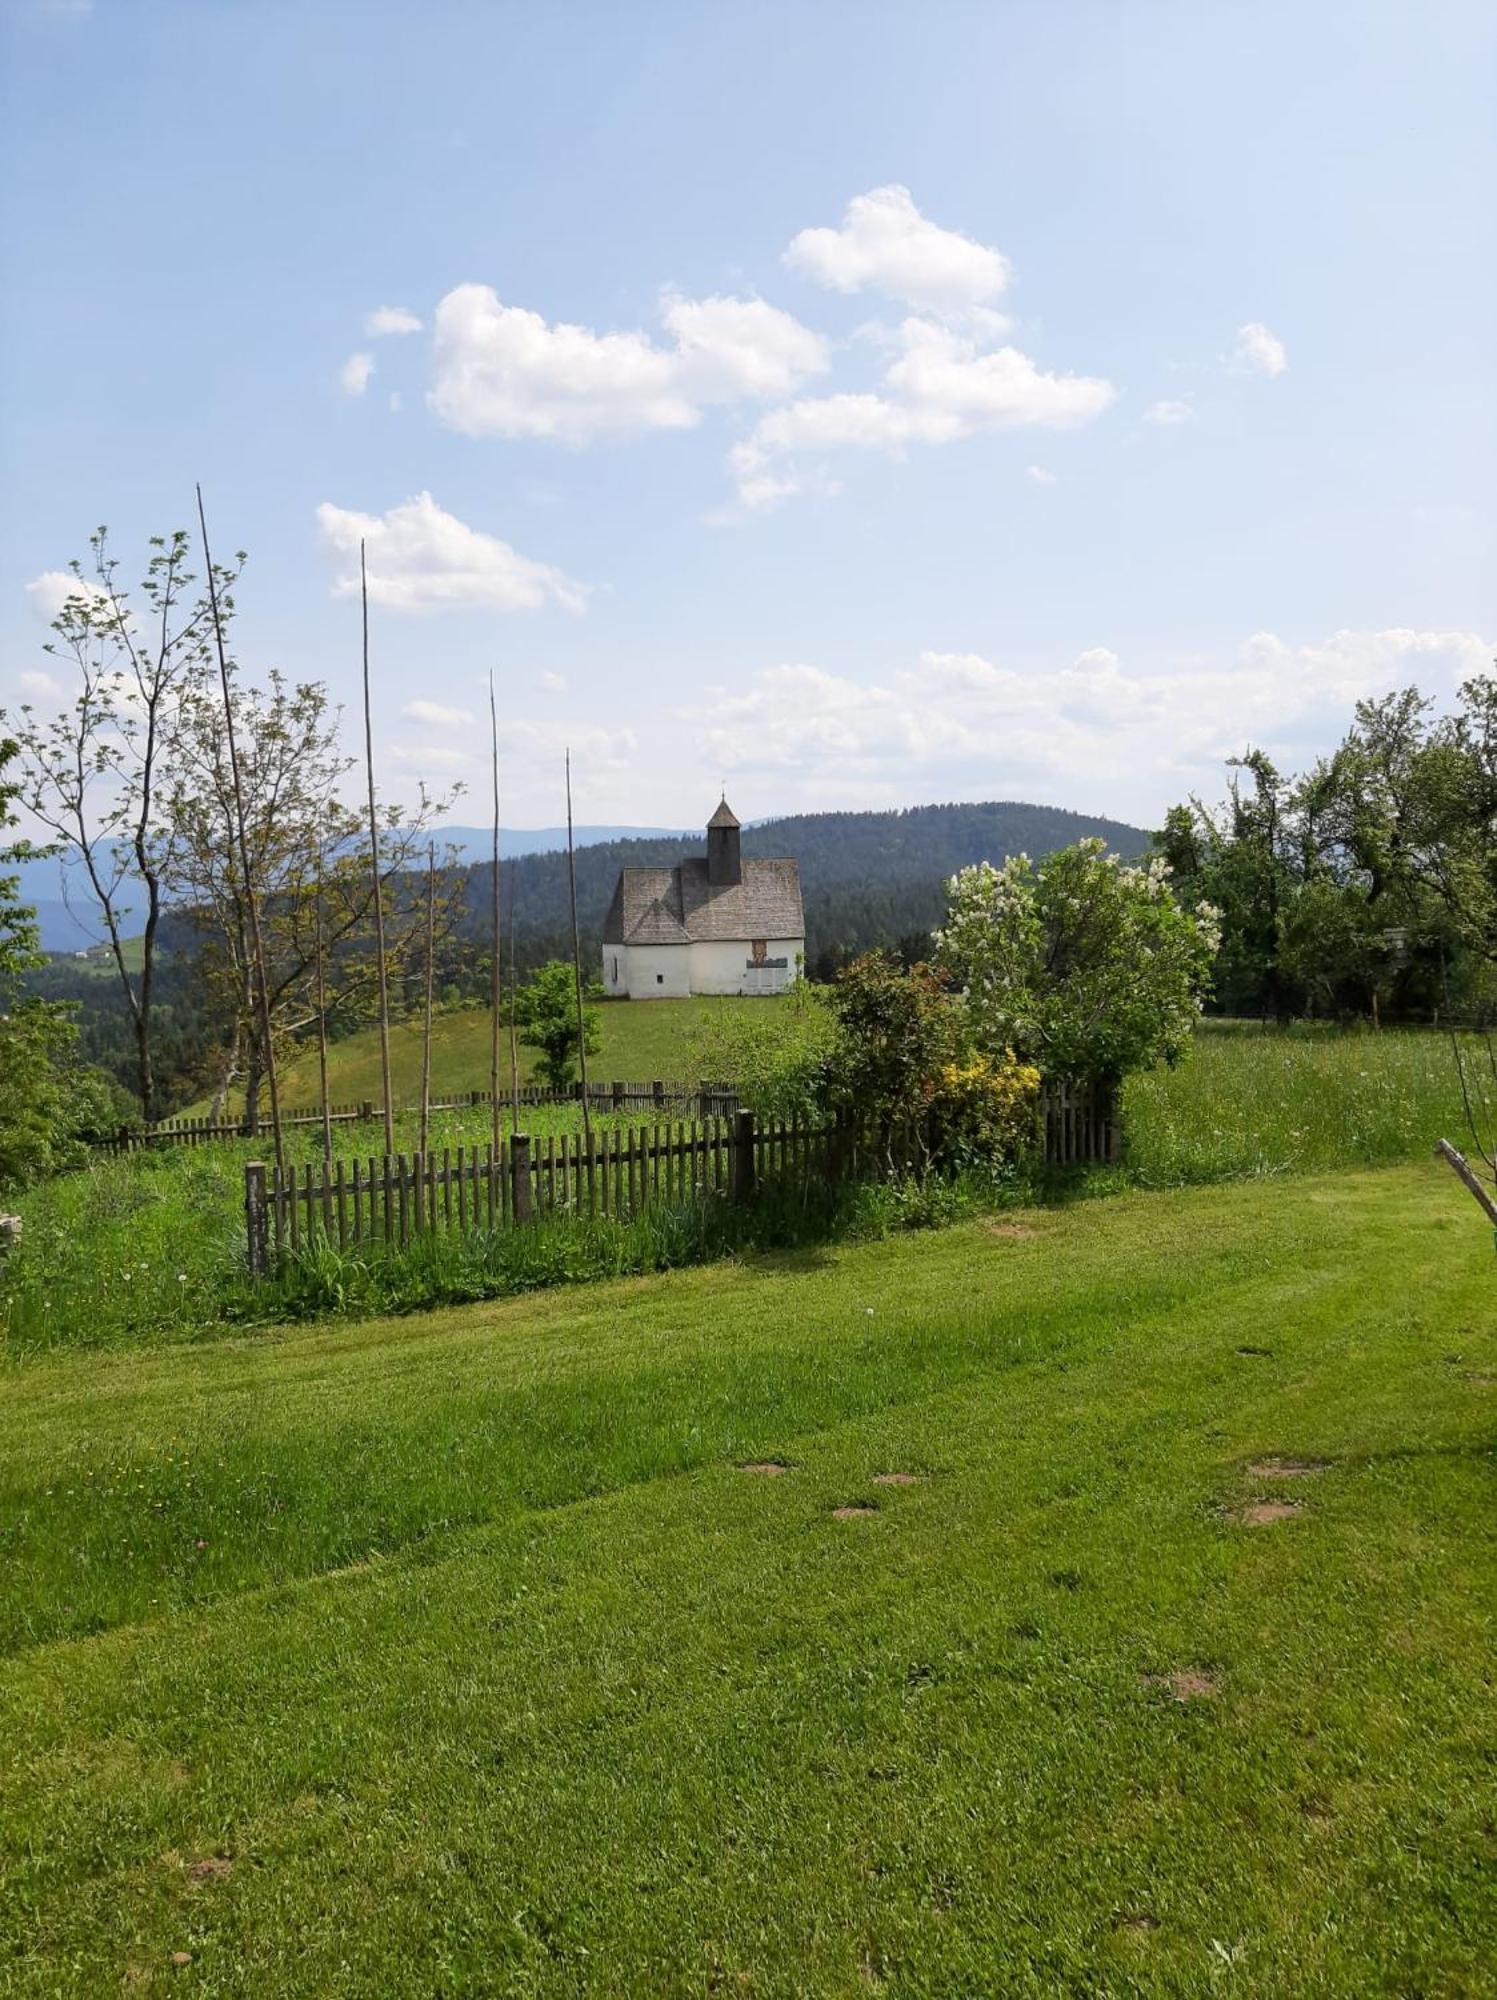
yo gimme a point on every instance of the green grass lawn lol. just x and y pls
(459, 1655)
(641, 1040)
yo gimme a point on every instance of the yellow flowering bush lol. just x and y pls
(984, 1107)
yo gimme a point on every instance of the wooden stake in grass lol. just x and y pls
(587, 1129)
(327, 1113)
(431, 949)
(379, 895)
(494, 994)
(261, 984)
(1463, 1172)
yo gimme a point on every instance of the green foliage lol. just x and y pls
(774, 1053)
(897, 1033)
(1080, 965)
(546, 1012)
(1368, 885)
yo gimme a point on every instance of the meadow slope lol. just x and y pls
(461, 1654)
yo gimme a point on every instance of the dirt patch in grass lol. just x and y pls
(857, 1513)
(1263, 1513)
(767, 1468)
(1286, 1468)
(896, 1478)
(212, 1868)
(1185, 1683)
(1011, 1231)
(1138, 1923)
(1258, 1353)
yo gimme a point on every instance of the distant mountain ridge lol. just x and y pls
(69, 929)
(867, 878)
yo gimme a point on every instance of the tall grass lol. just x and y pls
(151, 1246)
(1249, 1102)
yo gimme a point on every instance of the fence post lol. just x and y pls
(618, 1096)
(657, 1091)
(519, 1167)
(1113, 1127)
(366, 1110)
(255, 1217)
(743, 1156)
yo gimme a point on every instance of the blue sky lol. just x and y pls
(857, 405)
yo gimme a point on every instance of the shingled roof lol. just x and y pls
(680, 906)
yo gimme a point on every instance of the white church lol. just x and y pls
(713, 924)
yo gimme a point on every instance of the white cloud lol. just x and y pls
(38, 685)
(420, 558)
(552, 683)
(50, 591)
(884, 244)
(437, 713)
(1039, 475)
(504, 371)
(958, 724)
(424, 756)
(391, 319)
(942, 386)
(1169, 413)
(395, 401)
(355, 373)
(1259, 352)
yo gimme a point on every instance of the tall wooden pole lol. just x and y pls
(514, 988)
(494, 982)
(587, 1128)
(379, 894)
(262, 984)
(431, 952)
(327, 1115)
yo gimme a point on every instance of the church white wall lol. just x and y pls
(727, 968)
(656, 971)
(616, 971)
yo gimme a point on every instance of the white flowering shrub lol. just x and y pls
(1081, 965)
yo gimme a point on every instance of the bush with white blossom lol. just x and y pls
(1083, 966)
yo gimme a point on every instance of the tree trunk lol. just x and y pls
(226, 1075)
(253, 1075)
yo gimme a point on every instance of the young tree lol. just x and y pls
(92, 775)
(300, 833)
(897, 1032)
(546, 1014)
(1081, 966)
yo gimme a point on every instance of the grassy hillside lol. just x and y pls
(641, 1040)
(463, 1653)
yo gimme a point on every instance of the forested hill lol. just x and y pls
(868, 878)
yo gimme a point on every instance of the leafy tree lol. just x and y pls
(897, 1032)
(1084, 967)
(546, 1016)
(309, 858)
(93, 773)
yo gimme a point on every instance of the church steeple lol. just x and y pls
(724, 864)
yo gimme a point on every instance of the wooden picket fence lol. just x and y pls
(463, 1188)
(702, 1100)
(622, 1172)
(1081, 1125)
